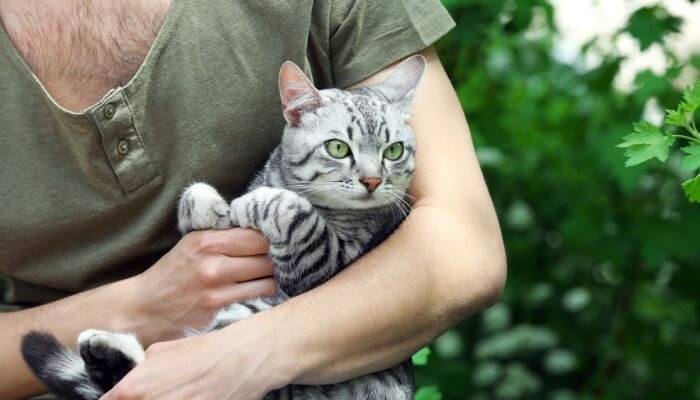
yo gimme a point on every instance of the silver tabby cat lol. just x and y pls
(332, 190)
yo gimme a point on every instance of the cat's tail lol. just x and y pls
(59, 368)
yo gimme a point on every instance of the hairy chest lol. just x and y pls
(79, 49)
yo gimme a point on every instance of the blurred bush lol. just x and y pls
(602, 293)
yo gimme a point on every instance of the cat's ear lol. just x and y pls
(298, 94)
(400, 86)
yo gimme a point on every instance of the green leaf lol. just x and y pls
(692, 189)
(428, 393)
(421, 357)
(521, 339)
(692, 96)
(486, 373)
(691, 162)
(560, 361)
(496, 318)
(576, 299)
(449, 345)
(645, 143)
(676, 117)
(650, 25)
(518, 383)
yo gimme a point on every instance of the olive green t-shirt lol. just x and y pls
(88, 198)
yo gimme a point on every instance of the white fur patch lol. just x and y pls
(234, 312)
(260, 304)
(207, 209)
(126, 343)
(88, 391)
(67, 366)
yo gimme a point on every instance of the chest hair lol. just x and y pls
(80, 49)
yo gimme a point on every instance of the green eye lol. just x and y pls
(394, 151)
(337, 148)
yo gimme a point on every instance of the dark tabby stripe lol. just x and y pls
(306, 157)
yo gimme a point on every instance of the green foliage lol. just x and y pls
(649, 141)
(650, 25)
(645, 143)
(601, 300)
(692, 189)
(691, 162)
(428, 393)
(421, 358)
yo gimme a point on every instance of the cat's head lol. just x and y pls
(349, 148)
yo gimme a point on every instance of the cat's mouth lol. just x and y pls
(371, 199)
(366, 196)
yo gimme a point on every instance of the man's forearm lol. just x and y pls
(101, 308)
(181, 290)
(425, 277)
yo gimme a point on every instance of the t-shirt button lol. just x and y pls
(123, 147)
(108, 111)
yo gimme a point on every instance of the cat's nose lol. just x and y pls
(371, 183)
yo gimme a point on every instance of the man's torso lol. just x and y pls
(169, 95)
(89, 197)
(81, 49)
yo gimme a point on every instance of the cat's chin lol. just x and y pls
(347, 203)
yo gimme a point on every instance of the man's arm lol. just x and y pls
(204, 271)
(65, 319)
(445, 261)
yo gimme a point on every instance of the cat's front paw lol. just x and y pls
(251, 209)
(109, 356)
(271, 210)
(202, 207)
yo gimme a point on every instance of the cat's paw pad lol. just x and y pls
(202, 207)
(108, 356)
(109, 348)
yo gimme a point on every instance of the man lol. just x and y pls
(109, 109)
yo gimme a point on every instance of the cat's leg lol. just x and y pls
(304, 249)
(202, 207)
(109, 356)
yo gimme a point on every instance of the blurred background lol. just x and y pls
(602, 293)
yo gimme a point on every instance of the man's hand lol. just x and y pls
(203, 272)
(228, 364)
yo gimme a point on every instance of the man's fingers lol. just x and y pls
(226, 270)
(244, 291)
(236, 242)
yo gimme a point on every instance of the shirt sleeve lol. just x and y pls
(368, 35)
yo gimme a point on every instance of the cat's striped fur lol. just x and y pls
(318, 211)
